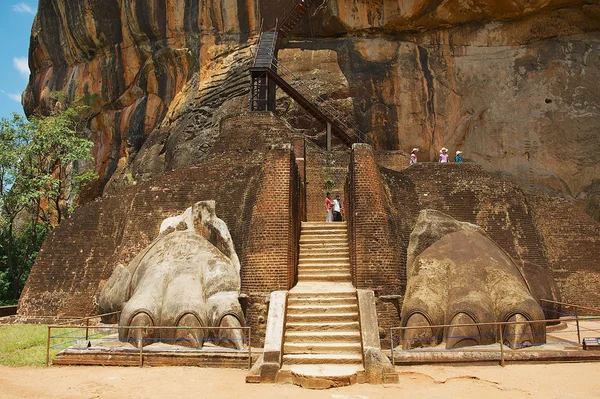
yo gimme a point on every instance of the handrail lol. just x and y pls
(571, 305)
(499, 324)
(287, 13)
(335, 114)
(260, 32)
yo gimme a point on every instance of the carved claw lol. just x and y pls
(231, 338)
(140, 336)
(518, 336)
(461, 336)
(418, 337)
(192, 338)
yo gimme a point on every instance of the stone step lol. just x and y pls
(323, 260)
(319, 307)
(304, 270)
(322, 336)
(322, 358)
(323, 240)
(310, 302)
(324, 225)
(317, 249)
(326, 265)
(317, 326)
(322, 317)
(322, 295)
(321, 347)
(333, 229)
(327, 253)
(316, 277)
(324, 245)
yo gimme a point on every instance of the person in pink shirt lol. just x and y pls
(329, 217)
(444, 155)
(413, 156)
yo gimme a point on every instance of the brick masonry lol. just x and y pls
(571, 240)
(540, 233)
(374, 243)
(325, 172)
(255, 182)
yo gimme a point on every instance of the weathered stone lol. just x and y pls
(511, 84)
(462, 277)
(188, 276)
(377, 366)
(273, 348)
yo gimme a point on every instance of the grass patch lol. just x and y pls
(25, 344)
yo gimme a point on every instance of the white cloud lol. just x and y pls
(23, 8)
(22, 65)
(14, 96)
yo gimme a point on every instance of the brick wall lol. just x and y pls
(571, 239)
(325, 171)
(375, 256)
(467, 193)
(256, 191)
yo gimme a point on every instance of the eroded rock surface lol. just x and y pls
(457, 275)
(188, 276)
(512, 84)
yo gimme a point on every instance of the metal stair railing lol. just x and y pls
(259, 41)
(337, 116)
(288, 12)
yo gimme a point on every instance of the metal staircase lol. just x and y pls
(267, 74)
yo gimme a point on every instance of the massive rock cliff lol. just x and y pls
(514, 84)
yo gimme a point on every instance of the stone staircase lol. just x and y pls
(322, 343)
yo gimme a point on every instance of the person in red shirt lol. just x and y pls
(329, 217)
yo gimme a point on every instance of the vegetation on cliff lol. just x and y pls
(42, 168)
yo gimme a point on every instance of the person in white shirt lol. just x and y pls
(338, 209)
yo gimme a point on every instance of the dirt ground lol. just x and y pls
(562, 381)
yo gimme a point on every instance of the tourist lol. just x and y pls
(413, 156)
(444, 155)
(329, 217)
(458, 157)
(338, 209)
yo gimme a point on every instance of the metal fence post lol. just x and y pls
(577, 323)
(501, 345)
(392, 346)
(48, 347)
(249, 348)
(141, 348)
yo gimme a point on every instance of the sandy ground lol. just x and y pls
(562, 381)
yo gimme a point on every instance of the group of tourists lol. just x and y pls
(334, 208)
(444, 157)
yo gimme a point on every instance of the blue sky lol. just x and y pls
(16, 18)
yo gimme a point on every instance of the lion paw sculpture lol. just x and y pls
(188, 276)
(457, 275)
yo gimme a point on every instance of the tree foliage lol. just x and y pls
(41, 175)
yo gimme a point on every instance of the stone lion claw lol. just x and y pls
(457, 276)
(188, 278)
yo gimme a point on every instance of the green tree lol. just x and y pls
(40, 178)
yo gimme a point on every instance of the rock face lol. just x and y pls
(188, 276)
(457, 275)
(512, 84)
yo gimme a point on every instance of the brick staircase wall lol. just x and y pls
(468, 193)
(374, 244)
(571, 239)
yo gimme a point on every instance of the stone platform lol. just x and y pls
(109, 351)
